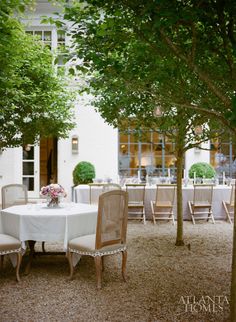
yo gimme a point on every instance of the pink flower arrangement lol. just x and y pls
(53, 191)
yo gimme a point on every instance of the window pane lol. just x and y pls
(134, 138)
(124, 161)
(47, 36)
(28, 168)
(146, 148)
(29, 183)
(28, 152)
(39, 34)
(123, 138)
(61, 35)
(133, 148)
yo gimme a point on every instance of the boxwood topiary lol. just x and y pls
(83, 173)
(202, 170)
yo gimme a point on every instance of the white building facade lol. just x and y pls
(112, 153)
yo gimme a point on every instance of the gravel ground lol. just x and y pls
(165, 282)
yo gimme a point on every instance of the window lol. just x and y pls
(149, 152)
(222, 156)
(62, 55)
(55, 40)
(44, 35)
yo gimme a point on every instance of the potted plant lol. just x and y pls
(83, 173)
(201, 170)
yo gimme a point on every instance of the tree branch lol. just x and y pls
(209, 113)
(204, 77)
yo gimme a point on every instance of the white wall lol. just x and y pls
(98, 144)
(10, 167)
(196, 155)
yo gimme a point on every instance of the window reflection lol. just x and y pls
(222, 156)
(29, 183)
(28, 152)
(148, 152)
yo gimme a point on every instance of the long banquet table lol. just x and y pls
(220, 193)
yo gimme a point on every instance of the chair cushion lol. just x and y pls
(9, 243)
(87, 244)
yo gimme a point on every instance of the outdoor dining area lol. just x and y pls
(72, 226)
(98, 211)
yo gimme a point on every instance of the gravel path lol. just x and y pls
(165, 282)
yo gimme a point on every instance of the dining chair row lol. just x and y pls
(162, 208)
(136, 193)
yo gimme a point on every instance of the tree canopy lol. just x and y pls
(179, 53)
(34, 102)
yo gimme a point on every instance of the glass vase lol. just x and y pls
(53, 202)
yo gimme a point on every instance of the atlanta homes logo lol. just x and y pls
(201, 304)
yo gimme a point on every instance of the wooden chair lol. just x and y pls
(11, 245)
(110, 186)
(95, 190)
(110, 237)
(162, 207)
(202, 202)
(136, 207)
(229, 205)
(14, 194)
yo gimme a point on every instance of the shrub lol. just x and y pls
(83, 173)
(202, 170)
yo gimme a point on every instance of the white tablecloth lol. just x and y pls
(220, 193)
(40, 223)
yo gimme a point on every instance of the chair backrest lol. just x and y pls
(95, 190)
(112, 218)
(232, 195)
(111, 186)
(203, 192)
(165, 192)
(136, 192)
(14, 194)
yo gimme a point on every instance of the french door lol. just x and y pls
(30, 169)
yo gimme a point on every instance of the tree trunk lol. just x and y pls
(233, 278)
(179, 237)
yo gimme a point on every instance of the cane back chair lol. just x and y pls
(110, 237)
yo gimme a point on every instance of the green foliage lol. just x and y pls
(34, 102)
(202, 170)
(83, 173)
(138, 55)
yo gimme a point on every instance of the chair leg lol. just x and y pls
(98, 264)
(144, 217)
(173, 218)
(103, 266)
(19, 258)
(43, 247)
(227, 213)
(191, 211)
(2, 261)
(153, 213)
(69, 256)
(124, 260)
(212, 218)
